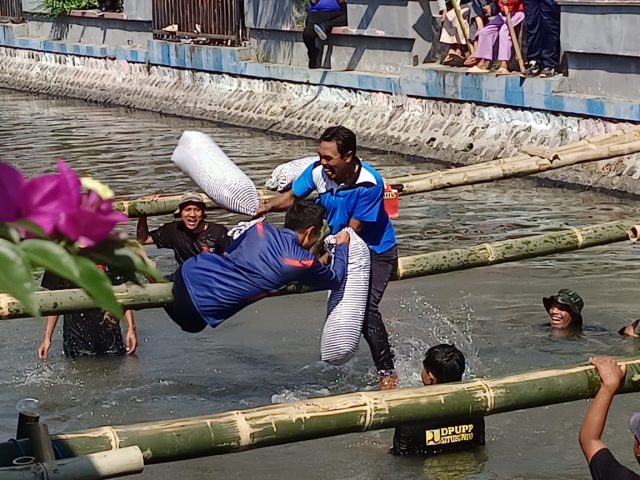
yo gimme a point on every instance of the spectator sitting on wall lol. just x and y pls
(322, 16)
(497, 29)
(481, 13)
(543, 37)
(452, 33)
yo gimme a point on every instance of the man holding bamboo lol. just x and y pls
(352, 192)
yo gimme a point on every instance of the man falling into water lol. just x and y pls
(352, 192)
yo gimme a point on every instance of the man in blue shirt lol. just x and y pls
(208, 288)
(352, 193)
(322, 16)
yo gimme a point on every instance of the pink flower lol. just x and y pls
(11, 193)
(57, 205)
(91, 222)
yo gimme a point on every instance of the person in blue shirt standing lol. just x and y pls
(322, 16)
(208, 288)
(352, 193)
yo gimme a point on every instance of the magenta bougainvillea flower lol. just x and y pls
(57, 205)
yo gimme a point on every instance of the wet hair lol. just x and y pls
(304, 214)
(445, 362)
(345, 139)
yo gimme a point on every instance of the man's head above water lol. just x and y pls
(564, 309)
(190, 210)
(443, 364)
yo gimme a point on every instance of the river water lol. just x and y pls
(269, 352)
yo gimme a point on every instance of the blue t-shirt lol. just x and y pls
(261, 261)
(325, 6)
(364, 201)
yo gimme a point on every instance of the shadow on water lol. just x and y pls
(269, 352)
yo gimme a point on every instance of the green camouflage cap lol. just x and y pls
(565, 297)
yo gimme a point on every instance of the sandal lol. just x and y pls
(471, 61)
(502, 71)
(453, 60)
(477, 69)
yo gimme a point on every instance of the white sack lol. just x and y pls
(284, 175)
(347, 306)
(198, 156)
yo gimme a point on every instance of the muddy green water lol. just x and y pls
(269, 352)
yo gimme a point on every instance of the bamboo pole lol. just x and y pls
(623, 135)
(514, 37)
(441, 180)
(463, 27)
(235, 431)
(95, 466)
(155, 295)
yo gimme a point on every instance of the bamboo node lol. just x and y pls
(491, 401)
(490, 250)
(4, 306)
(579, 236)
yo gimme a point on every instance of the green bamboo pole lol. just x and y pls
(499, 169)
(155, 295)
(235, 431)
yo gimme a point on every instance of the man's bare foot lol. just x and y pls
(388, 381)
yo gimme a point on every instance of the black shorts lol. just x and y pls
(182, 311)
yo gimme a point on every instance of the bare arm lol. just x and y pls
(356, 225)
(142, 232)
(611, 374)
(45, 345)
(277, 204)
(131, 338)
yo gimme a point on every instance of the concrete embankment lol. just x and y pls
(446, 130)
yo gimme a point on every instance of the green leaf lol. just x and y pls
(30, 227)
(9, 233)
(16, 278)
(98, 287)
(52, 257)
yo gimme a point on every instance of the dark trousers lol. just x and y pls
(182, 311)
(542, 18)
(382, 266)
(327, 20)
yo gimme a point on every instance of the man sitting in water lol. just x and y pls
(602, 463)
(208, 289)
(565, 310)
(188, 236)
(442, 364)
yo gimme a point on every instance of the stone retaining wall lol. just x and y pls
(453, 132)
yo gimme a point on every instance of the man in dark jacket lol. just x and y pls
(322, 16)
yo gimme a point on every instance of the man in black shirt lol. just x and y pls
(602, 463)
(442, 364)
(89, 332)
(188, 236)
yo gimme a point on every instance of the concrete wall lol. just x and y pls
(388, 35)
(134, 30)
(602, 47)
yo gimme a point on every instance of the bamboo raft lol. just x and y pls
(236, 431)
(156, 295)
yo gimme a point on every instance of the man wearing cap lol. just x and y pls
(565, 310)
(602, 463)
(188, 236)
